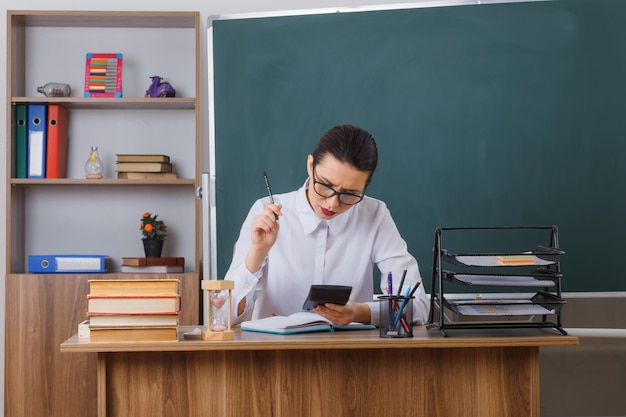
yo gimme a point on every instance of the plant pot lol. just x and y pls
(153, 247)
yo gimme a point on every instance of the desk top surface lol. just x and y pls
(353, 339)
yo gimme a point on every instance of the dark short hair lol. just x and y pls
(349, 144)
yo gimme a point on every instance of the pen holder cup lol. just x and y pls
(396, 316)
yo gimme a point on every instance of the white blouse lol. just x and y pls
(309, 250)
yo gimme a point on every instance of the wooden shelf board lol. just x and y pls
(102, 182)
(172, 103)
(104, 19)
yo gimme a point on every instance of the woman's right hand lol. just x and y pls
(265, 229)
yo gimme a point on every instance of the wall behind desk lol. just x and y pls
(497, 114)
(588, 379)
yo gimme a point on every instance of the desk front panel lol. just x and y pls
(492, 381)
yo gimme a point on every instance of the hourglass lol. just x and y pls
(217, 327)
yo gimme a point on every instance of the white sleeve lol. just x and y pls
(246, 282)
(391, 254)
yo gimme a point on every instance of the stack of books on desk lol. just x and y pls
(144, 166)
(163, 265)
(134, 310)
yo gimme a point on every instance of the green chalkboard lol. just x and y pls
(485, 115)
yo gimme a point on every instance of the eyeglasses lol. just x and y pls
(326, 191)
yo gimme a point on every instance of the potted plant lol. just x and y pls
(153, 232)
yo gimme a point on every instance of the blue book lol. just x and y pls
(65, 264)
(37, 127)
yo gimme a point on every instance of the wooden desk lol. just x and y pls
(324, 374)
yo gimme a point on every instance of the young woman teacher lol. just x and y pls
(326, 232)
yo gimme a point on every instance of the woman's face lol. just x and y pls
(341, 177)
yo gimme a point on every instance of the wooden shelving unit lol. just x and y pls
(73, 214)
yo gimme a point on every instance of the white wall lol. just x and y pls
(206, 8)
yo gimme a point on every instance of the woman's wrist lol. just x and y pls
(254, 260)
(362, 313)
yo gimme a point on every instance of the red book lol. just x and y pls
(153, 261)
(56, 149)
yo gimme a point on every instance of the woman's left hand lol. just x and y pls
(346, 314)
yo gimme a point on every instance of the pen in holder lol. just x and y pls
(396, 316)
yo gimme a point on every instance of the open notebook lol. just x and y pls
(301, 322)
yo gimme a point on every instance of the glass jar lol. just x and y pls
(55, 90)
(94, 166)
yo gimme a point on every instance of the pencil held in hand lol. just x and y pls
(269, 191)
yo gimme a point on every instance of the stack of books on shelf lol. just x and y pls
(144, 166)
(133, 310)
(163, 265)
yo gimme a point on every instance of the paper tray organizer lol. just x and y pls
(538, 269)
(541, 303)
(538, 278)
